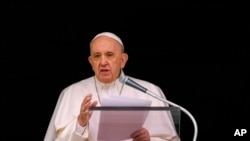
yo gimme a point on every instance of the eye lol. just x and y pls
(96, 56)
(109, 55)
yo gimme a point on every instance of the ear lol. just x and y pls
(90, 60)
(124, 60)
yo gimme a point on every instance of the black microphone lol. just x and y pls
(126, 80)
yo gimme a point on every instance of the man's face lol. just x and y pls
(106, 58)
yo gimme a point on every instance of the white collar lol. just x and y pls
(116, 83)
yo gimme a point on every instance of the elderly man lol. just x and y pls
(72, 120)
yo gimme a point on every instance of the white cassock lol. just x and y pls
(63, 125)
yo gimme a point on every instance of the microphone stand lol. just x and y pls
(181, 108)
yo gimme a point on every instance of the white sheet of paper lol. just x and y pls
(119, 125)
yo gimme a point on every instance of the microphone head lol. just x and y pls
(126, 80)
(123, 79)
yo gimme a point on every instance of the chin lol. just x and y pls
(106, 79)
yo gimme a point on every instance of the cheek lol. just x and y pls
(116, 65)
(121, 64)
(95, 66)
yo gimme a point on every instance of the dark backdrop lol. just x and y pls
(197, 54)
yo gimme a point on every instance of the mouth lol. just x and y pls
(104, 70)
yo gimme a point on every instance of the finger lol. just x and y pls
(87, 98)
(141, 132)
(86, 106)
(86, 102)
(91, 105)
(94, 104)
(136, 133)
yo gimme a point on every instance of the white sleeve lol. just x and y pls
(51, 130)
(72, 132)
(79, 129)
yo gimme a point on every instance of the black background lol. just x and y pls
(196, 52)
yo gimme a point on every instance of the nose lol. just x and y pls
(104, 60)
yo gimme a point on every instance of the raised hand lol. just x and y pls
(85, 114)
